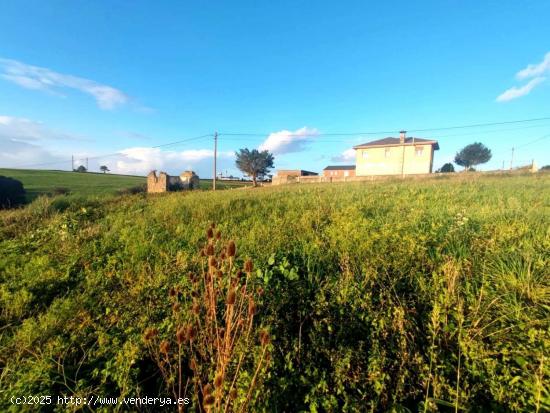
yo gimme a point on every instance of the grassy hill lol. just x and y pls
(40, 182)
(397, 296)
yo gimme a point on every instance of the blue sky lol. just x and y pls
(94, 78)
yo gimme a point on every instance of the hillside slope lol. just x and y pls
(378, 296)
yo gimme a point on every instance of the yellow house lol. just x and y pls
(395, 156)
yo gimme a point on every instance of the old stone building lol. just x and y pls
(164, 182)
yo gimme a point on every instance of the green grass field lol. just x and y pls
(40, 182)
(398, 296)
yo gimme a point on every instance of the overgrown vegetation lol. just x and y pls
(391, 296)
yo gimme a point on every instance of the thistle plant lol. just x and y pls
(217, 354)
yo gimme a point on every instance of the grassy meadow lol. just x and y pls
(398, 296)
(40, 182)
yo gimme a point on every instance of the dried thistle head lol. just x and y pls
(209, 250)
(210, 233)
(239, 274)
(212, 225)
(193, 365)
(222, 332)
(150, 333)
(209, 401)
(190, 333)
(212, 262)
(231, 296)
(196, 308)
(251, 307)
(172, 292)
(218, 381)
(206, 390)
(202, 253)
(176, 307)
(164, 347)
(231, 248)
(233, 394)
(180, 335)
(264, 338)
(248, 266)
(218, 235)
(223, 256)
(219, 274)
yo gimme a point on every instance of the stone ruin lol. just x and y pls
(165, 183)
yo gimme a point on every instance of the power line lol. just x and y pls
(475, 125)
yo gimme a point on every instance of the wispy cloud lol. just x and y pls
(44, 79)
(534, 72)
(286, 141)
(26, 130)
(346, 156)
(516, 92)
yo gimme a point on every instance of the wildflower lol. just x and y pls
(231, 248)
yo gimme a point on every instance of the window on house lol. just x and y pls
(365, 155)
(418, 150)
(387, 153)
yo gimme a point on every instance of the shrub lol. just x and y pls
(12, 192)
(60, 191)
(447, 168)
(137, 189)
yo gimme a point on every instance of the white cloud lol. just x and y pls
(516, 92)
(536, 69)
(40, 78)
(288, 141)
(346, 156)
(142, 160)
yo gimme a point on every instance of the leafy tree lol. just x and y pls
(473, 154)
(103, 168)
(81, 168)
(254, 163)
(545, 168)
(12, 192)
(448, 167)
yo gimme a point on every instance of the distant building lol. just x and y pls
(339, 171)
(164, 182)
(395, 156)
(289, 175)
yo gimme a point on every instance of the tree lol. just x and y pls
(12, 192)
(446, 168)
(81, 168)
(254, 163)
(473, 154)
(103, 168)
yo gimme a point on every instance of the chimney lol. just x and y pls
(402, 135)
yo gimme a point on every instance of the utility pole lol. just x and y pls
(512, 159)
(86, 164)
(72, 163)
(215, 159)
